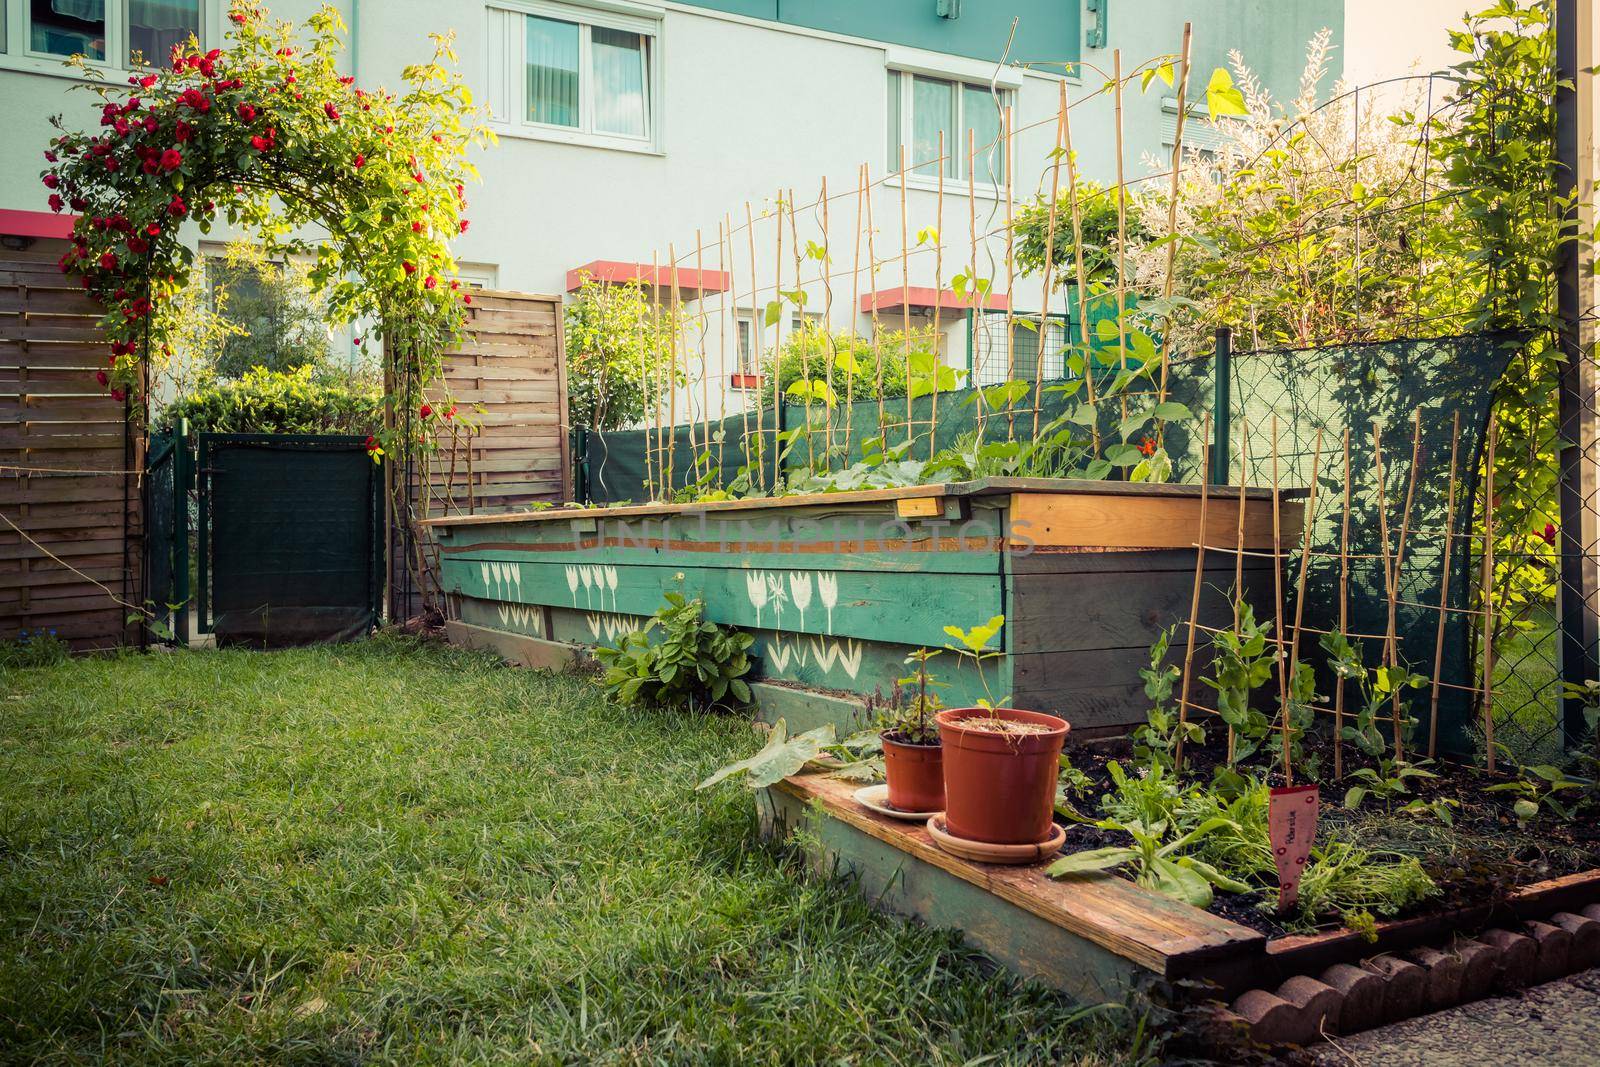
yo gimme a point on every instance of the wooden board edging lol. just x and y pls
(1168, 938)
(518, 649)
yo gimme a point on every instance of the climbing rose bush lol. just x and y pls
(268, 135)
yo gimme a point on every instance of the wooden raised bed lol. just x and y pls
(1097, 936)
(837, 588)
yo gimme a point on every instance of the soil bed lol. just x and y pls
(1479, 859)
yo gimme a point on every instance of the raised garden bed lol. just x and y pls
(837, 588)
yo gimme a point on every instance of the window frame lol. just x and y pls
(903, 122)
(505, 69)
(17, 52)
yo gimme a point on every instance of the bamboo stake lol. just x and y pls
(778, 420)
(1309, 522)
(805, 325)
(975, 312)
(855, 303)
(1400, 549)
(705, 370)
(652, 464)
(1049, 256)
(1122, 233)
(1011, 265)
(729, 296)
(938, 301)
(1344, 615)
(1083, 277)
(1238, 554)
(1172, 217)
(1277, 609)
(827, 333)
(877, 326)
(1194, 598)
(672, 382)
(905, 297)
(1488, 595)
(756, 332)
(1444, 587)
(1389, 648)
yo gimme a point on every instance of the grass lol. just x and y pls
(395, 853)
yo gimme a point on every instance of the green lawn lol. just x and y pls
(393, 853)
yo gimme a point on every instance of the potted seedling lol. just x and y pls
(912, 760)
(1000, 764)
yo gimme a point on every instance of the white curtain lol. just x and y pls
(619, 81)
(154, 26)
(552, 66)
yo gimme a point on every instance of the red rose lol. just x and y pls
(102, 377)
(425, 410)
(118, 394)
(154, 229)
(247, 112)
(361, 160)
(111, 163)
(451, 413)
(430, 282)
(147, 81)
(79, 203)
(416, 227)
(331, 111)
(51, 181)
(466, 298)
(410, 267)
(260, 143)
(108, 261)
(150, 124)
(49, 156)
(464, 224)
(56, 202)
(177, 207)
(1548, 534)
(171, 159)
(138, 245)
(183, 132)
(237, 17)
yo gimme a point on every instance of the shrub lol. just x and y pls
(806, 355)
(266, 401)
(695, 662)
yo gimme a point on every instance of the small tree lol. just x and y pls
(620, 345)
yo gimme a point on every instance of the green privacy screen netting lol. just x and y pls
(1334, 389)
(291, 538)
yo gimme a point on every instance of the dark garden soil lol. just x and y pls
(1479, 859)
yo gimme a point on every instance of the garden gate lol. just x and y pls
(290, 537)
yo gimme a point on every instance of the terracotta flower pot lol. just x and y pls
(1000, 788)
(915, 774)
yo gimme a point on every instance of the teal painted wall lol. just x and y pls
(1047, 27)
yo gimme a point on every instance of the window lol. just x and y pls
(921, 108)
(572, 73)
(147, 29)
(744, 335)
(802, 322)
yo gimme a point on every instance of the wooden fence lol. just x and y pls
(70, 510)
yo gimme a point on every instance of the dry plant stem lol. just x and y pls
(827, 334)
(1444, 587)
(938, 290)
(1277, 607)
(1122, 233)
(1083, 276)
(758, 464)
(1011, 265)
(1309, 521)
(1238, 548)
(1389, 648)
(1488, 594)
(1172, 217)
(905, 294)
(1344, 615)
(1049, 254)
(1194, 596)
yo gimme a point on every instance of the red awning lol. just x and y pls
(691, 282)
(14, 223)
(924, 296)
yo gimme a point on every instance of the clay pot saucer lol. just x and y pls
(983, 852)
(876, 798)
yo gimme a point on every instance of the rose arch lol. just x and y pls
(269, 136)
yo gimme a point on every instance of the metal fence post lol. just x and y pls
(1221, 397)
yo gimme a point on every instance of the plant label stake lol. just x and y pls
(1292, 826)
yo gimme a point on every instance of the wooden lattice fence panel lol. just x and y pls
(66, 451)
